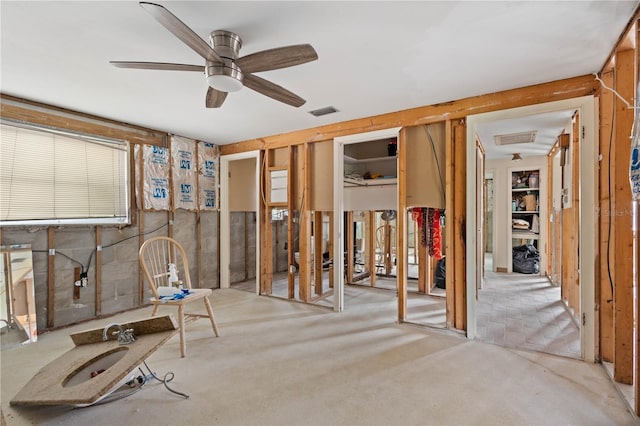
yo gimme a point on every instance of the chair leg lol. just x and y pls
(183, 343)
(207, 303)
(155, 310)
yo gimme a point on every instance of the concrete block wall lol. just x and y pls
(120, 269)
(238, 270)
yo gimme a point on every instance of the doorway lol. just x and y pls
(494, 317)
(239, 194)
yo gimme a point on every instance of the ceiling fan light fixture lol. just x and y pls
(516, 156)
(225, 77)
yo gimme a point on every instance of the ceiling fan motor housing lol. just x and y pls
(226, 43)
(225, 76)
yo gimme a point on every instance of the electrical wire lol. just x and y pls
(166, 379)
(609, 230)
(85, 269)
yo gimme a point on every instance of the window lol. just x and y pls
(55, 177)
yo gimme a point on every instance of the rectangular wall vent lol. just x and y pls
(323, 111)
(516, 138)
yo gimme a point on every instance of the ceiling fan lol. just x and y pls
(224, 70)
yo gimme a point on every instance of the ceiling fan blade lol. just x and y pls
(272, 90)
(280, 57)
(163, 66)
(215, 98)
(181, 30)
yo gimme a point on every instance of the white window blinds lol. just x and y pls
(54, 177)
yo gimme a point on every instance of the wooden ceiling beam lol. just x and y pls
(530, 95)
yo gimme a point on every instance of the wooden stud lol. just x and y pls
(198, 229)
(76, 278)
(401, 228)
(623, 260)
(266, 231)
(387, 248)
(51, 277)
(291, 176)
(429, 260)
(459, 225)
(449, 245)
(350, 241)
(331, 225)
(98, 277)
(606, 224)
(140, 183)
(422, 267)
(371, 248)
(304, 237)
(636, 367)
(246, 246)
(317, 258)
(575, 207)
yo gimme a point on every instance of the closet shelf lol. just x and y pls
(370, 182)
(352, 160)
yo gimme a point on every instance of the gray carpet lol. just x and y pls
(284, 363)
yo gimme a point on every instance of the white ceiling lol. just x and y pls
(374, 57)
(548, 127)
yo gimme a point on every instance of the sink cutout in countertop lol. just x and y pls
(66, 380)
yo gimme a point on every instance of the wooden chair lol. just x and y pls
(155, 256)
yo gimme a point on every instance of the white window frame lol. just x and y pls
(121, 215)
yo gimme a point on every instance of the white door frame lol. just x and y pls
(225, 218)
(588, 216)
(338, 205)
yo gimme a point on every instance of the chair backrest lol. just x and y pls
(380, 238)
(155, 255)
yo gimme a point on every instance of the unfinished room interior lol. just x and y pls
(366, 213)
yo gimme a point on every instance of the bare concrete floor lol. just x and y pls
(282, 363)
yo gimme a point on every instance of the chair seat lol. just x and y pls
(194, 294)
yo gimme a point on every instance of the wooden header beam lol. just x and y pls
(530, 95)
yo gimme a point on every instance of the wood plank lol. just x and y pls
(530, 95)
(98, 277)
(636, 367)
(291, 175)
(623, 260)
(331, 225)
(266, 234)
(371, 247)
(605, 271)
(246, 246)
(51, 277)
(140, 184)
(350, 241)
(199, 226)
(422, 266)
(575, 204)
(449, 244)
(47, 115)
(304, 237)
(460, 224)
(401, 228)
(317, 249)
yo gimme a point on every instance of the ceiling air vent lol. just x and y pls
(323, 111)
(516, 138)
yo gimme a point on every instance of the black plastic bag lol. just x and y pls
(441, 274)
(526, 259)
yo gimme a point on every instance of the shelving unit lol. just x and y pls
(525, 207)
(370, 158)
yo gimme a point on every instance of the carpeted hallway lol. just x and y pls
(284, 363)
